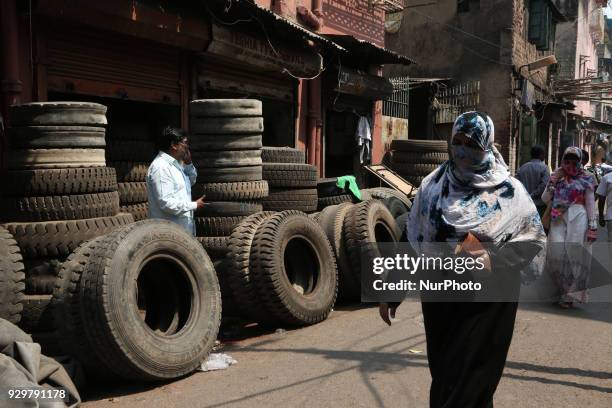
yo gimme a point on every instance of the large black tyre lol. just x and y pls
(56, 239)
(419, 146)
(58, 114)
(227, 158)
(383, 193)
(367, 224)
(323, 202)
(41, 137)
(152, 301)
(290, 175)
(37, 315)
(416, 169)
(229, 174)
(12, 278)
(282, 155)
(247, 190)
(395, 206)
(216, 226)
(132, 192)
(24, 159)
(130, 172)
(229, 209)
(28, 183)
(225, 126)
(207, 143)
(294, 269)
(419, 157)
(213, 108)
(139, 211)
(328, 187)
(215, 247)
(331, 219)
(301, 199)
(41, 275)
(239, 276)
(56, 208)
(67, 312)
(130, 150)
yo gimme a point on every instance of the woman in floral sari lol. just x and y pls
(573, 223)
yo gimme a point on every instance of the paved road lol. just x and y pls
(558, 359)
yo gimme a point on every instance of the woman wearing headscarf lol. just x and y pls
(573, 223)
(472, 193)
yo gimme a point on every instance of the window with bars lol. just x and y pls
(397, 105)
(451, 101)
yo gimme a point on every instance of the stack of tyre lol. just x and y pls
(350, 228)
(415, 159)
(226, 146)
(293, 183)
(281, 269)
(56, 194)
(129, 150)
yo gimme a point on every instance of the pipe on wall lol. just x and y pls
(314, 123)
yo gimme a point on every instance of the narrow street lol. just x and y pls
(557, 359)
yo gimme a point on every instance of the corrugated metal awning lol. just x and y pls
(369, 51)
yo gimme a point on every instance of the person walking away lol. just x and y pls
(169, 180)
(604, 191)
(573, 224)
(534, 175)
(470, 195)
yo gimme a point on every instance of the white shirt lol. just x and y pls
(169, 188)
(605, 190)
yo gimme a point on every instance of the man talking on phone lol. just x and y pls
(170, 178)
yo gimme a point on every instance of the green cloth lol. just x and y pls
(352, 185)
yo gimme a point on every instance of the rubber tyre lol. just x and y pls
(185, 290)
(440, 146)
(41, 275)
(207, 143)
(327, 187)
(331, 219)
(56, 208)
(273, 268)
(323, 202)
(215, 247)
(229, 174)
(41, 137)
(383, 193)
(228, 158)
(132, 192)
(139, 211)
(58, 114)
(56, 239)
(130, 150)
(395, 206)
(304, 199)
(416, 169)
(229, 209)
(239, 276)
(28, 183)
(213, 108)
(54, 158)
(401, 222)
(216, 226)
(227, 126)
(37, 314)
(12, 278)
(130, 172)
(360, 228)
(290, 175)
(248, 190)
(282, 155)
(419, 157)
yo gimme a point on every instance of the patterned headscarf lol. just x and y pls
(455, 200)
(570, 189)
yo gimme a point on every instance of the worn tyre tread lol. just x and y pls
(12, 277)
(290, 175)
(139, 211)
(282, 155)
(216, 226)
(129, 172)
(247, 190)
(132, 192)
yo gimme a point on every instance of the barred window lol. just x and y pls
(397, 105)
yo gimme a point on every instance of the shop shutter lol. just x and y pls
(89, 62)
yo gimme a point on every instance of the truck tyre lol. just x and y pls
(228, 158)
(227, 126)
(24, 159)
(229, 174)
(41, 137)
(282, 155)
(290, 175)
(213, 108)
(247, 190)
(207, 143)
(58, 114)
(12, 278)
(32, 183)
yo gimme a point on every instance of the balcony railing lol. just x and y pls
(389, 6)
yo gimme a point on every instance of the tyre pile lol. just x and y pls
(226, 146)
(293, 183)
(330, 194)
(415, 159)
(58, 193)
(129, 151)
